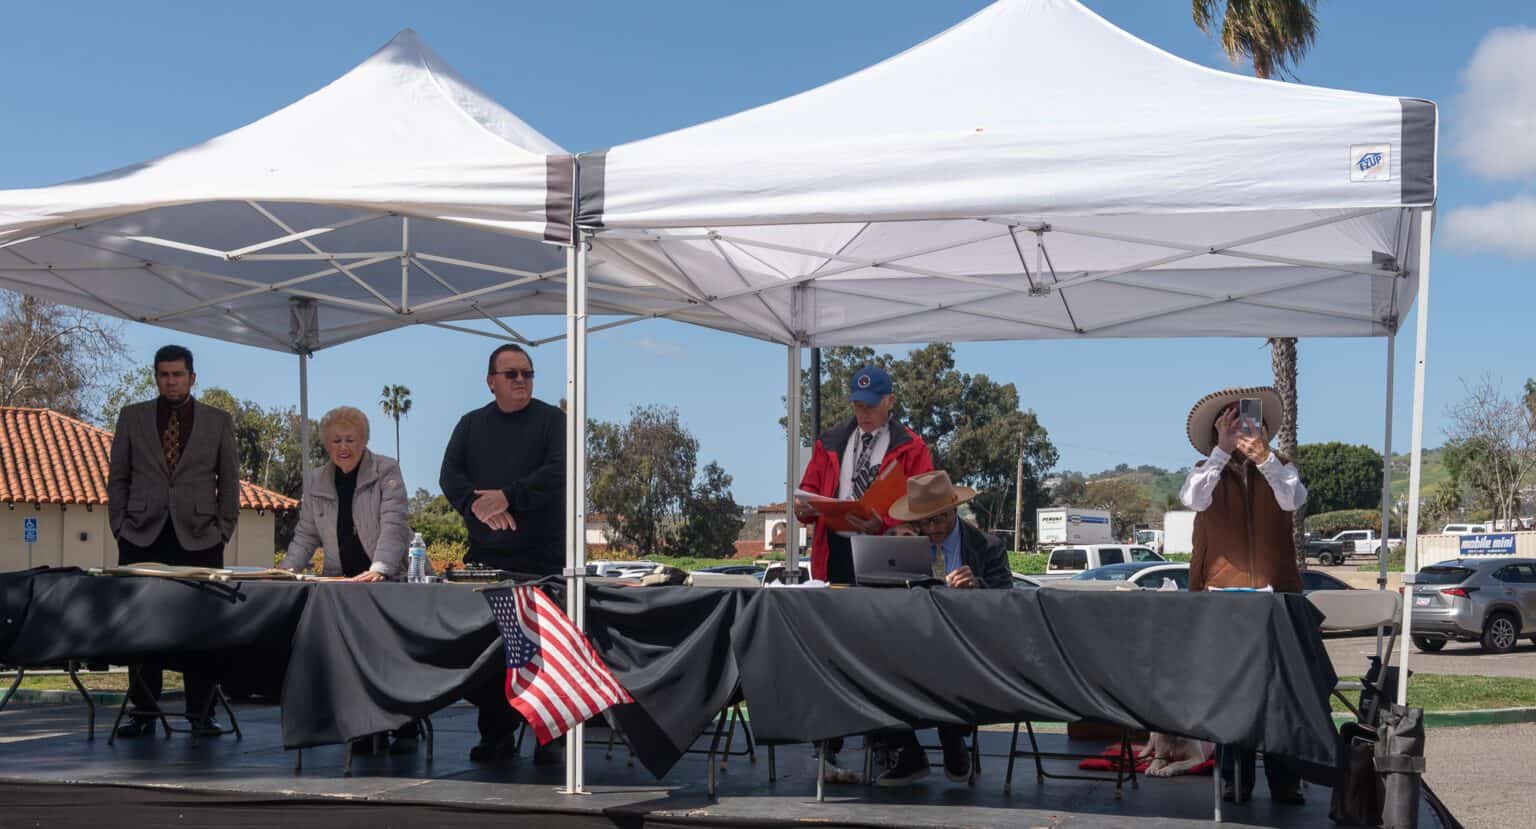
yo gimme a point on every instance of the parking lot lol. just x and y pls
(1351, 656)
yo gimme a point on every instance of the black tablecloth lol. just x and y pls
(371, 657)
(1246, 669)
(70, 615)
(1233, 668)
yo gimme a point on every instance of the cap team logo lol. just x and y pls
(864, 381)
(1370, 162)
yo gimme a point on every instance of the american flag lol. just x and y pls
(554, 678)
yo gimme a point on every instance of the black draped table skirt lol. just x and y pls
(1246, 669)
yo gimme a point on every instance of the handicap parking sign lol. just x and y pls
(29, 530)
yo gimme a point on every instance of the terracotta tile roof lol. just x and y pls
(48, 458)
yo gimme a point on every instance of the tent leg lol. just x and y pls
(1386, 486)
(304, 412)
(791, 468)
(1411, 532)
(575, 473)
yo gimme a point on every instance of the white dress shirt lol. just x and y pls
(1284, 479)
(851, 454)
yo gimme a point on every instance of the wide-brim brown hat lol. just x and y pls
(929, 494)
(1202, 418)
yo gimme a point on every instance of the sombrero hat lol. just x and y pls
(1202, 418)
(929, 494)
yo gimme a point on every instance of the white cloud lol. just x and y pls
(1507, 226)
(1495, 133)
(670, 351)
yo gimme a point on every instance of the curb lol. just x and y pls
(1462, 719)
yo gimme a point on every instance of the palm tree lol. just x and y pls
(1274, 35)
(395, 403)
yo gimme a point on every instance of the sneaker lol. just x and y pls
(910, 767)
(835, 773)
(136, 727)
(957, 758)
(205, 727)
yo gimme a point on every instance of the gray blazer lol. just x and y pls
(201, 498)
(378, 513)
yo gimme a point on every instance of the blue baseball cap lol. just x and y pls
(869, 385)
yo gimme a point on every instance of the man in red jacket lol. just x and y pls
(846, 460)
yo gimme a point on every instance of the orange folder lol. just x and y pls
(889, 485)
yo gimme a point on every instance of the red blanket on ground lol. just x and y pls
(1110, 760)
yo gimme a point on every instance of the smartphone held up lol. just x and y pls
(1250, 413)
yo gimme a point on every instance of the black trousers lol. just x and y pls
(907, 740)
(1279, 773)
(199, 672)
(839, 559)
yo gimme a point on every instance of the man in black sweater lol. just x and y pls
(504, 471)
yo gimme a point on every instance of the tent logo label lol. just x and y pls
(1370, 162)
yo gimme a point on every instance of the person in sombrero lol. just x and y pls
(1245, 496)
(971, 559)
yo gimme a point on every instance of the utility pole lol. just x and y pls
(1018, 499)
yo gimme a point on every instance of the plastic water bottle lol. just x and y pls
(416, 567)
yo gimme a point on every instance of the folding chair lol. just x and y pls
(1125, 765)
(218, 699)
(725, 724)
(375, 747)
(73, 667)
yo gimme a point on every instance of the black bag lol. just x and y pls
(1359, 795)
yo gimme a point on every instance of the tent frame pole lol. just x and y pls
(304, 419)
(1385, 550)
(791, 468)
(1415, 468)
(575, 475)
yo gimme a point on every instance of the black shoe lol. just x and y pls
(1229, 794)
(910, 767)
(1287, 794)
(205, 727)
(405, 740)
(957, 758)
(549, 753)
(494, 749)
(136, 727)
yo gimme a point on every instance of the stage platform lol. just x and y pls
(50, 775)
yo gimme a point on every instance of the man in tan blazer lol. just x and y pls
(173, 496)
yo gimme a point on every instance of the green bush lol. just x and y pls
(1177, 556)
(1027, 563)
(1327, 524)
(444, 553)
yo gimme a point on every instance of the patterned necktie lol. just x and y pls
(864, 471)
(170, 439)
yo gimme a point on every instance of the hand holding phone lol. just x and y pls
(1250, 415)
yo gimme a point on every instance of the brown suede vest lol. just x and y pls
(1244, 539)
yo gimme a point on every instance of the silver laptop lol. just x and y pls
(892, 560)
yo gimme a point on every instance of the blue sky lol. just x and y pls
(93, 86)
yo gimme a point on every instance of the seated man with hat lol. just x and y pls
(1245, 498)
(970, 559)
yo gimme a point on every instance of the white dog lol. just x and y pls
(1173, 755)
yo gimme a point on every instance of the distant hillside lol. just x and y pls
(1161, 486)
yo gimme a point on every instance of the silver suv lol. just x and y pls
(1488, 600)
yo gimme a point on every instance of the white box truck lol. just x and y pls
(1178, 532)
(1055, 526)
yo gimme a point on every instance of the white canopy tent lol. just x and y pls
(1035, 172)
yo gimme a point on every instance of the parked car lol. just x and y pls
(620, 569)
(1069, 561)
(1464, 529)
(1486, 600)
(775, 572)
(1364, 542)
(1327, 551)
(1023, 582)
(732, 569)
(1313, 580)
(1146, 574)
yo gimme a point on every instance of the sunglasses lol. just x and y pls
(513, 373)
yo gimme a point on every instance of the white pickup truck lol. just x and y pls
(1359, 543)
(1066, 562)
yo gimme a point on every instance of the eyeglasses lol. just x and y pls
(512, 373)
(931, 521)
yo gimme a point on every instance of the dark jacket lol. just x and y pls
(983, 552)
(200, 498)
(824, 470)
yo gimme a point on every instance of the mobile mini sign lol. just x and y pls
(1488, 544)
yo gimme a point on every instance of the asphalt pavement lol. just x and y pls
(1351, 656)
(1483, 774)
